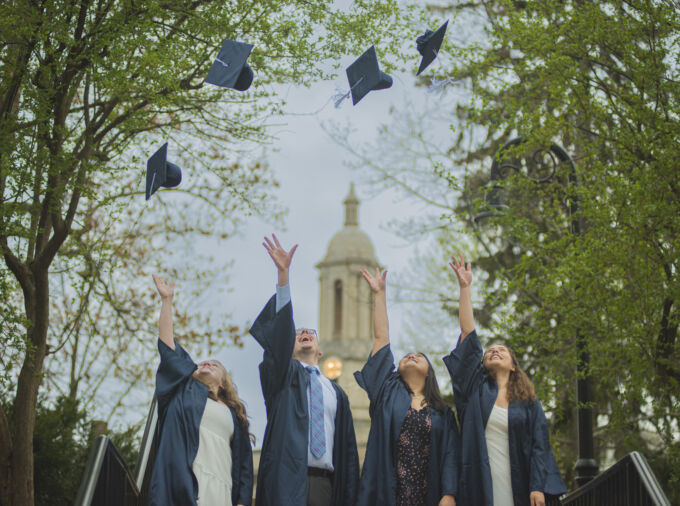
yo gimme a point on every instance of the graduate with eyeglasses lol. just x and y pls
(309, 453)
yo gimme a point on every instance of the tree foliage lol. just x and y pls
(601, 80)
(88, 90)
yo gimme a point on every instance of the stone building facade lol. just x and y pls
(346, 312)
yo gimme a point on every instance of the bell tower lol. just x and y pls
(346, 312)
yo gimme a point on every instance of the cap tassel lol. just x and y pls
(339, 96)
(439, 86)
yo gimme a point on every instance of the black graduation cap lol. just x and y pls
(230, 69)
(160, 172)
(364, 75)
(428, 45)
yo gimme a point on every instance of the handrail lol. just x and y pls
(91, 473)
(106, 479)
(629, 482)
(147, 452)
(147, 443)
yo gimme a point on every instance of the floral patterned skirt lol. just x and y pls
(413, 458)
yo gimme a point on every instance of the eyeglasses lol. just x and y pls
(306, 331)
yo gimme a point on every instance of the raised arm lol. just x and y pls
(381, 327)
(273, 328)
(464, 363)
(176, 364)
(465, 315)
(281, 258)
(165, 332)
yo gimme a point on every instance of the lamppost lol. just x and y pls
(586, 465)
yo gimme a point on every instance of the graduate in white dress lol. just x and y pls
(506, 458)
(204, 455)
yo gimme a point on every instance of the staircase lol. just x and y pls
(107, 481)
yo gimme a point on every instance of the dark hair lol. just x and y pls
(520, 387)
(431, 395)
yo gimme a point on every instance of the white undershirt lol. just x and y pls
(498, 449)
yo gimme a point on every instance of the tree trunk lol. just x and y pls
(21, 462)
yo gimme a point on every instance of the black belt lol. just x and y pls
(317, 471)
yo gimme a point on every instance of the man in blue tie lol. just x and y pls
(309, 453)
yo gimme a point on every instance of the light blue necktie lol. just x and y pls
(317, 432)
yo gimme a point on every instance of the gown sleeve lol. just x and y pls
(465, 367)
(539, 449)
(275, 332)
(176, 365)
(245, 494)
(372, 376)
(449, 472)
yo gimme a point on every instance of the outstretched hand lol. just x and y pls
(165, 291)
(377, 282)
(463, 273)
(281, 257)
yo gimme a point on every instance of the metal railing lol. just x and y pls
(629, 482)
(107, 481)
(147, 453)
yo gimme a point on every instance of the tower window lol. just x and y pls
(337, 306)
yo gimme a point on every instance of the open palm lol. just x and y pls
(377, 282)
(463, 273)
(281, 257)
(165, 291)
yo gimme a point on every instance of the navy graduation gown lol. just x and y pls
(282, 476)
(532, 464)
(181, 402)
(389, 402)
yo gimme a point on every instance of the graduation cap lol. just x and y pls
(230, 68)
(160, 172)
(428, 45)
(364, 75)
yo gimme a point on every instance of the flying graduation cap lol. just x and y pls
(230, 68)
(429, 44)
(160, 172)
(364, 75)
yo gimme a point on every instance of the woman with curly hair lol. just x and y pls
(506, 459)
(204, 455)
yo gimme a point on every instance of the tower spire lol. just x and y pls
(351, 208)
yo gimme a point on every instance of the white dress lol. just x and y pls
(498, 449)
(212, 465)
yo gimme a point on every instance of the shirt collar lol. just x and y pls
(305, 364)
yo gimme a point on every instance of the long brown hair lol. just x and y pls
(431, 395)
(227, 393)
(520, 387)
